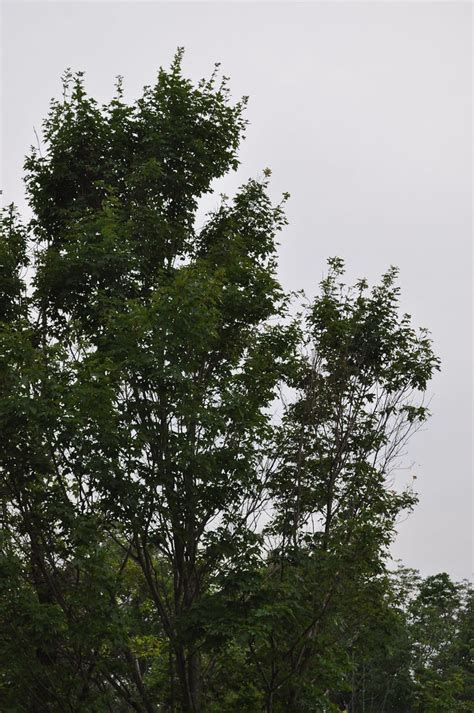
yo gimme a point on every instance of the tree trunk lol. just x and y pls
(189, 677)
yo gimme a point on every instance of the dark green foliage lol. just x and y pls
(442, 625)
(168, 543)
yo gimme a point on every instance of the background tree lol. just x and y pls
(441, 619)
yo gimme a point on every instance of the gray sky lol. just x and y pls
(363, 112)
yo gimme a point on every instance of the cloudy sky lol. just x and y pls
(363, 113)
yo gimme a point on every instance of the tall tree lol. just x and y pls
(356, 404)
(168, 544)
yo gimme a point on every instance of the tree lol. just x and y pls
(442, 633)
(415, 651)
(340, 437)
(168, 544)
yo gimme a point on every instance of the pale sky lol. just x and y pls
(363, 111)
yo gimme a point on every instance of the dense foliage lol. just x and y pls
(197, 496)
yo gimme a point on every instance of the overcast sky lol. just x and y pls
(363, 113)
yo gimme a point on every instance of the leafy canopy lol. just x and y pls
(167, 543)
